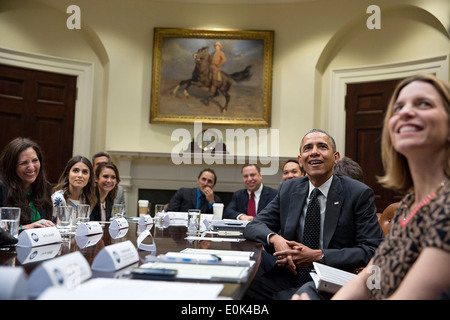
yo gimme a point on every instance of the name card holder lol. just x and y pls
(67, 271)
(35, 254)
(39, 237)
(89, 228)
(145, 219)
(88, 241)
(115, 256)
(119, 223)
(146, 247)
(118, 233)
(14, 283)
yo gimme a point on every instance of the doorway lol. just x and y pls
(366, 104)
(39, 105)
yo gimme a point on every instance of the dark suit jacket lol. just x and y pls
(186, 198)
(239, 202)
(96, 213)
(351, 229)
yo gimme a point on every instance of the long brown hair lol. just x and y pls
(88, 192)
(17, 195)
(102, 166)
(397, 175)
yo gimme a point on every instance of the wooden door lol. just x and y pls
(41, 106)
(366, 104)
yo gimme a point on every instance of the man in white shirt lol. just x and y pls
(246, 203)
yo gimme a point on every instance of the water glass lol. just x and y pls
(193, 223)
(82, 213)
(159, 215)
(64, 216)
(10, 220)
(118, 211)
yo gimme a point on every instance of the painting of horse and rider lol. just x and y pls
(212, 76)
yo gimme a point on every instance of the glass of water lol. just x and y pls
(64, 218)
(159, 215)
(10, 220)
(118, 211)
(82, 213)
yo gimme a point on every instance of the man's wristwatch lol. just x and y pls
(322, 258)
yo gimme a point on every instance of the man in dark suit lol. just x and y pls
(202, 197)
(348, 231)
(262, 195)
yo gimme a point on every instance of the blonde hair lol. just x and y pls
(397, 175)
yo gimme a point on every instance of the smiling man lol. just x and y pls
(246, 203)
(202, 197)
(344, 234)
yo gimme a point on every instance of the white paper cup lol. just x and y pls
(143, 207)
(217, 211)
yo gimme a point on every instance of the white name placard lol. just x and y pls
(67, 271)
(39, 237)
(115, 256)
(145, 219)
(117, 233)
(14, 283)
(89, 228)
(119, 223)
(35, 254)
(147, 247)
(87, 241)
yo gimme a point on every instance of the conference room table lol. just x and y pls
(172, 238)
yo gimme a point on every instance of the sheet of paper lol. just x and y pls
(214, 239)
(236, 253)
(203, 271)
(126, 289)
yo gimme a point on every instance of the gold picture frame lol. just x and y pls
(185, 64)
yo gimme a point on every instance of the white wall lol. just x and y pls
(311, 39)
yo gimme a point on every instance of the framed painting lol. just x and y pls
(213, 76)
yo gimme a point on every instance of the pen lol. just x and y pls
(217, 257)
(165, 258)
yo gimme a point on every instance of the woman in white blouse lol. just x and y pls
(76, 184)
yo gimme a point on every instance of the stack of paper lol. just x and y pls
(205, 264)
(329, 279)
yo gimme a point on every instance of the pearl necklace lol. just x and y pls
(424, 202)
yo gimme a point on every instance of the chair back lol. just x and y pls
(387, 216)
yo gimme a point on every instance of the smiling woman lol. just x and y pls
(416, 157)
(107, 180)
(24, 183)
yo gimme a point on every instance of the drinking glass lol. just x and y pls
(64, 216)
(193, 222)
(159, 215)
(10, 220)
(118, 211)
(82, 213)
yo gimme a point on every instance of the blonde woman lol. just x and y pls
(413, 261)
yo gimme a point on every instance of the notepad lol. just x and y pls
(208, 272)
(235, 253)
(329, 279)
